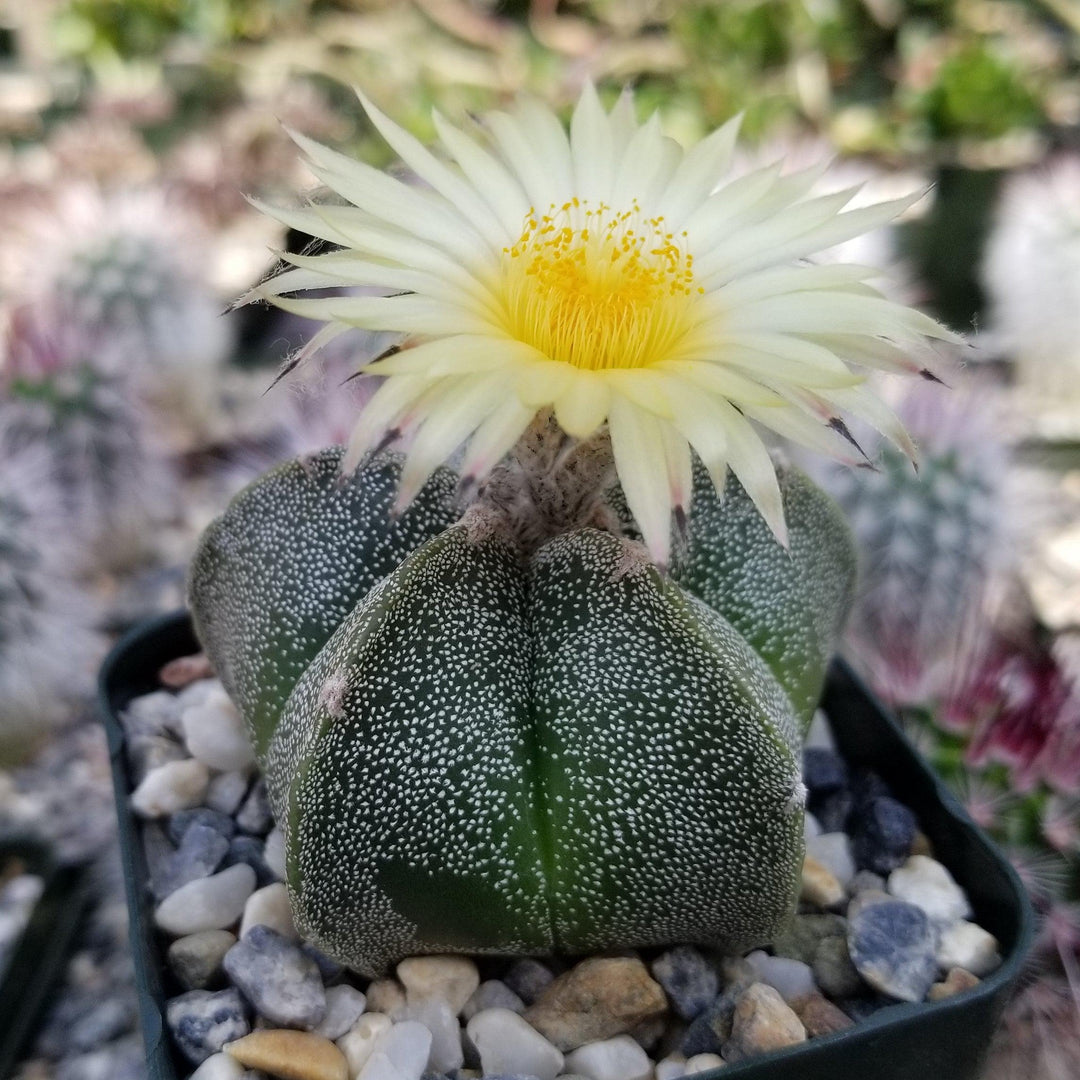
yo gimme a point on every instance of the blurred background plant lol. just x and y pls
(131, 407)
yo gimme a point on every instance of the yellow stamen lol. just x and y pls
(598, 288)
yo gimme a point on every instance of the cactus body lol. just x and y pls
(471, 747)
(928, 542)
(65, 400)
(47, 646)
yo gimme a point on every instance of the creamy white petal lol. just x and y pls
(647, 165)
(391, 200)
(380, 414)
(592, 148)
(487, 174)
(406, 314)
(524, 161)
(495, 438)
(456, 191)
(583, 406)
(750, 462)
(637, 443)
(698, 172)
(461, 354)
(461, 409)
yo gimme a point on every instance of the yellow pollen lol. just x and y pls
(599, 288)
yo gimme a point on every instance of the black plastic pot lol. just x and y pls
(942, 1041)
(37, 960)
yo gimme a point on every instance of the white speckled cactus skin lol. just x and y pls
(472, 747)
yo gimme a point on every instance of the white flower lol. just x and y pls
(608, 277)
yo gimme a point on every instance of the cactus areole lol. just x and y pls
(480, 743)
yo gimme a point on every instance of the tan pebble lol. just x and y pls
(178, 673)
(763, 1021)
(820, 885)
(452, 979)
(921, 845)
(597, 1000)
(385, 996)
(291, 1055)
(956, 982)
(820, 1016)
(703, 1062)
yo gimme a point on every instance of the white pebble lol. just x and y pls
(507, 1044)
(274, 853)
(792, 979)
(176, 785)
(452, 979)
(344, 1006)
(358, 1043)
(226, 792)
(446, 1053)
(218, 1067)
(380, 1067)
(811, 827)
(214, 733)
(671, 1067)
(197, 692)
(968, 946)
(211, 903)
(620, 1058)
(833, 851)
(408, 1046)
(703, 1062)
(270, 906)
(927, 884)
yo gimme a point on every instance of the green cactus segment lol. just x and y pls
(789, 604)
(404, 763)
(668, 756)
(278, 572)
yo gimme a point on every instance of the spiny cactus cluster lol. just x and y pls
(47, 646)
(64, 394)
(929, 541)
(483, 735)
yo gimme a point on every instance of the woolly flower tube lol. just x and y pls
(614, 278)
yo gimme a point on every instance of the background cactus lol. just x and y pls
(548, 746)
(64, 396)
(47, 646)
(929, 541)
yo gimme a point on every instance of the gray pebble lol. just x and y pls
(688, 979)
(254, 816)
(528, 978)
(202, 1022)
(492, 994)
(196, 959)
(182, 820)
(833, 970)
(892, 946)
(281, 983)
(250, 850)
(328, 969)
(198, 856)
(158, 851)
(344, 1005)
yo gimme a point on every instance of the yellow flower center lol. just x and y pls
(599, 288)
